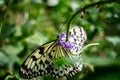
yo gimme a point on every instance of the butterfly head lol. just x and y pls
(67, 44)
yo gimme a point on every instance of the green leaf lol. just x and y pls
(13, 49)
(7, 30)
(36, 39)
(115, 40)
(99, 61)
(4, 59)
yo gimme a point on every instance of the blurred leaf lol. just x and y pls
(1, 3)
(7, 30)
(36, 39)
(18, 31)
(12, 50)
(99, 61)
(89, 67)
(115, 40)
(4, 59)
(52, 2)
(112, 54)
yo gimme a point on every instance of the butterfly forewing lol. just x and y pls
(36, 64)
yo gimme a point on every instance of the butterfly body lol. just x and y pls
(42, 60)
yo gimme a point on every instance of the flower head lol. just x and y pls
(64, 43)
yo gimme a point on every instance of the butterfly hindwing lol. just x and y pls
(79, 38)
(67, 69)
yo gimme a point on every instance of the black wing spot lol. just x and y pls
(61, 71)
(34, 58)
(81, 40)
(53, 50)
(79, 44)
(47, 62)
(49, 69)
(41, 62)
(40, 72)
(69, 32)
(56, 69)
(74, 31)
(41, 50)
(75, 39)
(50, 56)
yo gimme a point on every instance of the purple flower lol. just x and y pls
(64, 43)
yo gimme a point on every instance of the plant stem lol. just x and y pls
(4, 19)
(83, 9)
(84, 48)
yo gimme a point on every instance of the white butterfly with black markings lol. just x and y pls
(42, 59)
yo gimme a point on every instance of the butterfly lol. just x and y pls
(42, 59)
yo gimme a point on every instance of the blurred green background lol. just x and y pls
(26, 24)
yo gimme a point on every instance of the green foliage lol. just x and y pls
(26, 24)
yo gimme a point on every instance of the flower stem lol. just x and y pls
(83, 9)
(89, 45)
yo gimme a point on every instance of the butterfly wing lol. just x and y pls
(41, 60)
(79, 38)
(36, 64)
(67, 69)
